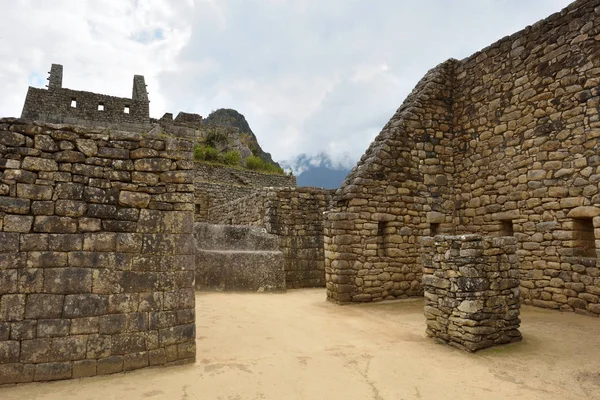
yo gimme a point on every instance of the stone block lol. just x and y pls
(99, 346)
(85, 305)
(109, 365)
(53, 371)
(31, 280)
(12, 307)
(53, 327)
(17, 223)
(42, 208)
(34, 192)
(70, 208)
(47, 259)
(39, 164)
(69, 191)
(68, 280)
(157, 357)
(68, 348)
(177, 334)
(134, 199)
(84, 368)
(14, 206)
(10, 351)
(65, 242)
(9, 281)
(135, 361)
(99, 242)
(23, 330)
(152, 165)
(44, 306)
(36, 350)
(16, 373)
(53, 224)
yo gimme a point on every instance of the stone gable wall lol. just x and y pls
(381, 209)
(295, 215)
(514, 151)
(96, 251)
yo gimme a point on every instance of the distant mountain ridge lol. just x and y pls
(318, 171)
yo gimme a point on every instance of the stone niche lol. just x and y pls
(471, 290)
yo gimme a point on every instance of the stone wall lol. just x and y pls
(217, 184)
(471, 290)
(60, 105)
(527, 125)
(503, 142)
(381, 209)
(295, 215)
(237, 258)
(96, 251)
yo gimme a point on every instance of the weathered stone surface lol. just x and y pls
(478, 310)
(134, 199)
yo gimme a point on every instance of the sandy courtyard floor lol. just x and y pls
(298, 346)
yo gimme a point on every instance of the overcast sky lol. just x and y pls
(310, 76)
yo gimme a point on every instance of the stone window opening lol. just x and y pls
(126, 110)
(73, 103)
(381, 238)
(434, 228)
(584, 239)
(507, 228)
(100, 106)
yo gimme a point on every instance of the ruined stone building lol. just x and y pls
(502, 143)
(480, 193)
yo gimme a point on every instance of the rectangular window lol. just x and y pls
(126, 110)
(434, 229)
(101, 107)
(74, 103)
(584, 240)
(506, 228)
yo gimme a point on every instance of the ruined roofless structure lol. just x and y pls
(502, 143)
(60, 105)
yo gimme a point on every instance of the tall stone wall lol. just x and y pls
(96, 251)
(383, 206)
(504, 142)
(471, 290)
(295, 215)
(527, 125)
(218, 184)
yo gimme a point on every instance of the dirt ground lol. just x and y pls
(298, 346)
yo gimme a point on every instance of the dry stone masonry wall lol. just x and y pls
(527, 125)
(504, 142)
(58, 104)
(96, 251)
(237, 258)
(471, 290)
(295, 216)
(216, 185)
(404, 178)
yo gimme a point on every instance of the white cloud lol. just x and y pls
(310, 76)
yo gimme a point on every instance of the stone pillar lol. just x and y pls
(471, 290)
(55, 78)
(139, 88)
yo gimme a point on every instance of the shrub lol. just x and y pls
(232, 157)
(258, 164)
(205, 153)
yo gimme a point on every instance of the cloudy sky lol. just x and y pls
(311, 76)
